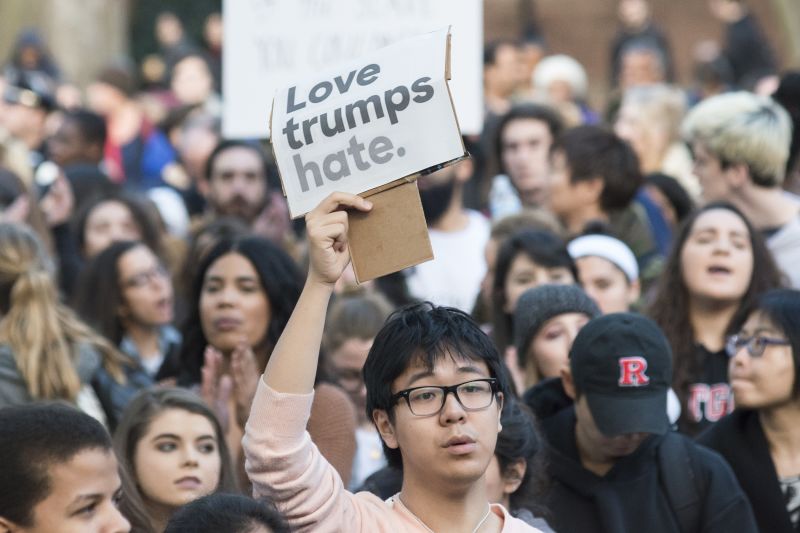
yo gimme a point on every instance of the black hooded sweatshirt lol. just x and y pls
(630, 498)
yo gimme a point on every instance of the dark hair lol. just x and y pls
(135, 421)
(226, 512)
(92, 127)
(279, 277)
(782, 308)
(673, 191)
(490, 50)
(539, 112)
(235, 143)
(358, 316)
(201, 241)
(592, 152)
(543, 248)
(647, 45)
(788, 95)
(519, 439)
(143, 212)
(101, 277)
(34, 437)
(670, 307)
(424, 333)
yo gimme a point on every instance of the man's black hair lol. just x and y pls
(595, 152)
(426, 333)
(91, 125)
(674, 192)
(527, 111)
(226, 144)
(32, 438)
(232, 513)
(490, 50)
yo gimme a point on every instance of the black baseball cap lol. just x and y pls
(622, 362)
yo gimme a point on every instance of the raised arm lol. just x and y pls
(293, 363)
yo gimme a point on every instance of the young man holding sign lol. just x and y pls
(435, 389)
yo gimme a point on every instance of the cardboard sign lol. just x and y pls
(392, 236)
(268, 43)
(366, 123)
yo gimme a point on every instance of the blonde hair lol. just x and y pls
(658, 105)
(741, 127)
(43, 333)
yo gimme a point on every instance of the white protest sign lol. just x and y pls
(268, 43)
(365, 123)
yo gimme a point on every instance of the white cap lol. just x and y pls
(610, 249)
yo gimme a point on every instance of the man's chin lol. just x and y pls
(535, 197)
(244, 214)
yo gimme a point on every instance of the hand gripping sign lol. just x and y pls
(371, 127)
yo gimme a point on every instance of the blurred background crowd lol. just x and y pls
(139, 248)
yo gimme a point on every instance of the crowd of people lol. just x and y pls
(607, 340)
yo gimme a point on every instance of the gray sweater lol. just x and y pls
(113, 396)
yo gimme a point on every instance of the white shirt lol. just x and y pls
(453, 277)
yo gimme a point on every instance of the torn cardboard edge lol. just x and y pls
(393, 235)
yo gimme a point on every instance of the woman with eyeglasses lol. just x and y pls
(126, 294)
(761, 438)
(718, 266)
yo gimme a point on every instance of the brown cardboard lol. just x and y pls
(392, 236)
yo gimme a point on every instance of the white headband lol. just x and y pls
(610, 249)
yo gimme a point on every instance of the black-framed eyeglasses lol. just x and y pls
(141, 279)
(755, 344)
(473, 395)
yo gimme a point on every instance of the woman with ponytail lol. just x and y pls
(46, 352)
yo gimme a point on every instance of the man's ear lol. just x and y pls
(513, 476)
(385, 428)
(7, 526)
(501, 400)
(738, 175)
(567, 381)
(590, 189)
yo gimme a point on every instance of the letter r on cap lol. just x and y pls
(631, 372)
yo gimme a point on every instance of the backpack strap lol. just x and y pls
(680, 481)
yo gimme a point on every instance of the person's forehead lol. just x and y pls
(525, 128)
(448, 365)
(135, 258)
(180, 422)
(237, 157)
(506, 53)
(91, 471)
(596, 266)
(110, 209)
(352, 353)
(719, 220)
(522, 261)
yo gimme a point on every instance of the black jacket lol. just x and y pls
(630, 497)
(740, 439)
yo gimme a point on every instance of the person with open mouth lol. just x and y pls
(718, 266)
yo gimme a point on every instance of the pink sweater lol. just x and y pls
(286, 467)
